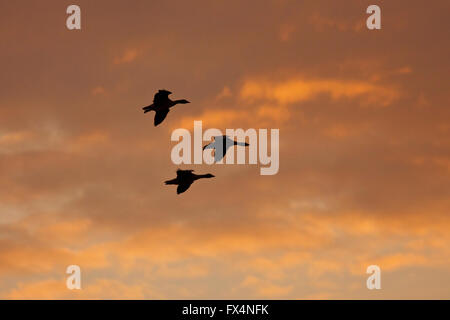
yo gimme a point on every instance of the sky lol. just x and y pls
(364, 175)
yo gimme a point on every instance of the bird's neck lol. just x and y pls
(178, 101)
(200, 176)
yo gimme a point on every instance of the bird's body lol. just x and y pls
(161, 105)
(221, 145)
(185, 178)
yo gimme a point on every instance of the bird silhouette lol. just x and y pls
(161, 105)
(185, 178)
(221, 145)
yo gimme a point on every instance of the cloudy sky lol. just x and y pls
(364, 149)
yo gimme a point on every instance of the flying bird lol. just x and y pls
(161, 105)
(185, 178)
(221, 145)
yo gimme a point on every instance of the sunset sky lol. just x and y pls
(364, 178)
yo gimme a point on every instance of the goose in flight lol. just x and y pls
(161, 105)
(185, 178)
(221, 145)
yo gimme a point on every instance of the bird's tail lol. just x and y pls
(148, 108)
(173, 181)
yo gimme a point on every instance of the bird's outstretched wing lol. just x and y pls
(161, 96)
(160, 116)
(209, 146)
(219, 154)
(183, 187)
(219, 149)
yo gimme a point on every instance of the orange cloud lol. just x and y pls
(128, 56)
(299, 90)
